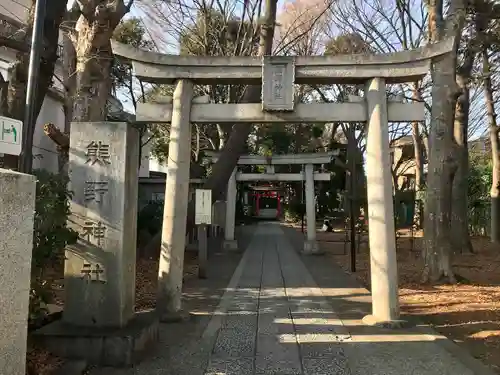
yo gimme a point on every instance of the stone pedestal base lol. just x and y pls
(175, 317)
(115, 347)
(230, 245)
(192, 246)
(371, 320)
(311, 248)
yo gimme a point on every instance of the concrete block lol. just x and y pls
(17, 207)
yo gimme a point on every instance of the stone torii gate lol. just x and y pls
(308, 175)
(278, 75)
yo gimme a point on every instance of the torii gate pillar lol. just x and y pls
(230, 242)
(383, 264)
(173, 238)
(310, 244)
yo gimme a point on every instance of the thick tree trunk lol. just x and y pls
(93, 76)
(442, 161)
(88, 59)
(495, 151)
(460, 225)
(354, 170)
(92, 41)
(236, 144)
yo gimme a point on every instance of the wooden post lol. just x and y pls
(202, 251)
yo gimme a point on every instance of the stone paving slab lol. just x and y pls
(272, 365)
(231, 366)
(326, 366)
(244, 322)
(233, 342)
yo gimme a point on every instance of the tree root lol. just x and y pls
(454, 278)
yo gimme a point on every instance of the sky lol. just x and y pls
(136, 12)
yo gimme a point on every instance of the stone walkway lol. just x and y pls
(275, 319)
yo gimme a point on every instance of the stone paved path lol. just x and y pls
(274, 319)
(274, 322)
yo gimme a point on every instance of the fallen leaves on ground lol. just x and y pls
(468, 313)
(147, 279)
(40, 362)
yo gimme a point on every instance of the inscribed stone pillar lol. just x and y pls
(219, 215)
(17, 207)
(310, 245)
(383, 264)
(99, 270)
(173, 240)
(230, 242)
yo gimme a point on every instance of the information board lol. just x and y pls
(203, 210)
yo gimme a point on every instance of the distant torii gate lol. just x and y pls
(308, 175)
(278, 76)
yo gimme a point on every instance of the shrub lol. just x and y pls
(479, 184)
(50, 236)
(150, 217)
(294, 211)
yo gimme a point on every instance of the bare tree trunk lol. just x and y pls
(237, 140)
(419, 162)
(442, 161)
(425, 142)
(352, 180)
(418, 146)
(236, 143)
(196, 151)
(495, 151)
(69, 82)
(460, 225)
(92, 41)
(222, 136)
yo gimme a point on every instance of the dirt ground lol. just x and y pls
(468, 313)
(41, 362)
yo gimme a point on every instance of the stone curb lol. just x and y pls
(461, 354)
(73, 368)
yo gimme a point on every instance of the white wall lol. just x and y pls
(15, 9)
(44, 150)
(154, 166)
